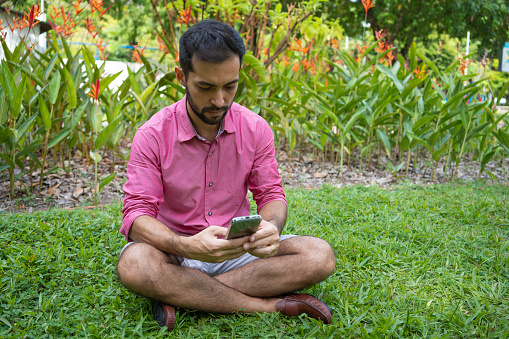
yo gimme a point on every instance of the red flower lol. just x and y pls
(94, 93)
(367, 4)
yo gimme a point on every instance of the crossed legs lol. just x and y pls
(300, 262)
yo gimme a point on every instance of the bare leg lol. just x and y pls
(301, 261)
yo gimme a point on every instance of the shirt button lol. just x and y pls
(210, 213)
(210, 154)
(210, 184)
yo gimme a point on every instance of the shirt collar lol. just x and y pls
(187, 130)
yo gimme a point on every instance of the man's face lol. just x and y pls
(211, 89)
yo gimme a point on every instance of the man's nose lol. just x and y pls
(218, 99)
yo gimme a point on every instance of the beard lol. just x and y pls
(201, 113)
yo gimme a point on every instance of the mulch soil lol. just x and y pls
(69, 189)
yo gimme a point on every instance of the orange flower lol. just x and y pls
(162, 46)
(137, 53)
(94, 92)
(76, 6)
(97, 5)
(285, 61)
(185, 16)
(464, 63)
(30, 17)
(101, 49)
(296, 67)
(419, 73)
(380, 34)
(367, 4)
(91, 28)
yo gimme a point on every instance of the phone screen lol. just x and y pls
(243, 226)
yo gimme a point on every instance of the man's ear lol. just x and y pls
(180, 76)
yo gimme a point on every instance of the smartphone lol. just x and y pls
(243, 226)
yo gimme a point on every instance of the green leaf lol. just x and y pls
(502, 92)
(59, 137)
(3, 109)
(476, 131)
(106, 133)
(8, 161)
(54, 87)
(391, 76)
(5, 134)
(7, 82)
(46, 117)
(23, 129)
(257, 65)
(428, 62)
(148, 91)
(106, 180)
(413, 59)
(96, 118)
(134, 84)
(16, 103)
(107, 81)
(71, 89)
(385, 140)
(95, 156)
(76, 117)
(50, 66)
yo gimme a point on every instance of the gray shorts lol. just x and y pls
(213, 269)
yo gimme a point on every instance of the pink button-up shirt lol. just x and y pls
(189, 184)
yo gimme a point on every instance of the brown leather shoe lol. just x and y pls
(296, 304)
(164, 314)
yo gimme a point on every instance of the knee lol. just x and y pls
(133, 266)
(321, 258)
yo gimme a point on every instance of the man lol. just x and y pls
(190, 168)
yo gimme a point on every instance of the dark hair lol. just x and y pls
(211, 41)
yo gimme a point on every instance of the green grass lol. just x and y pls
(411, 262)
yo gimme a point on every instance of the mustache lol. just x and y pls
(214, 109)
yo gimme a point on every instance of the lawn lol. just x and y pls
(412, 261)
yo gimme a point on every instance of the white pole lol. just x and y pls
(468, 48)
(42, 37)
(346, 43)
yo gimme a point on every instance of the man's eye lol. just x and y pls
(204, 88)
(230, 87)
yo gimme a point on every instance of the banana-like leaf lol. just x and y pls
(391, 76)
(502, 92)
(148, 91)
(45, 114)
(59, 137)
(71, 89)
(5, 133)
(76, 117)
(106, 180)
(140, 102)
(3, 109)
(23, 129)
(385, 140)
(106, 133)
(476, 130)
(428, 62)
(54, 87)
(8, 161)
(107, 81)
(257, 65)
(96, 117)
(134, 83)
(50, 66)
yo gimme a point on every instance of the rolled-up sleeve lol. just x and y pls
(264, 180)
(143, 188)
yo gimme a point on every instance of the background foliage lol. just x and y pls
(424, 109)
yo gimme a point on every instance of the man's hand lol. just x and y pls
(210, 246)
(265, 242)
